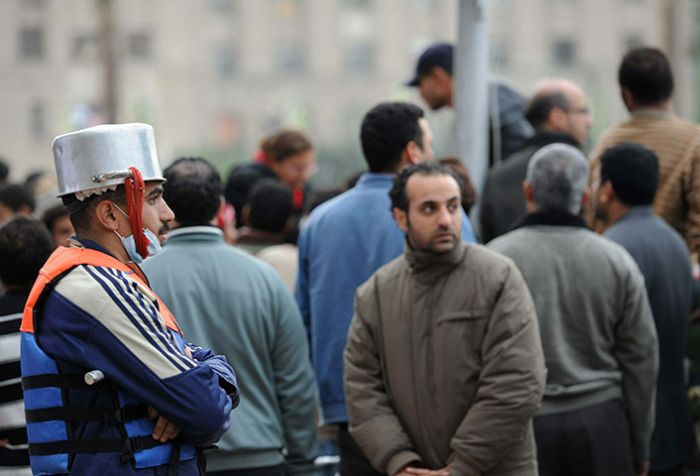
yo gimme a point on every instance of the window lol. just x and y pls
(225, 63)
(85, 47)
(632, 40)
(289, 58)
(499, 56)
(140, 46)
(222, 6)
(359, 4)
(33, 4)
(31, 42)
(359, 58)
(564, 52)
(37, 122)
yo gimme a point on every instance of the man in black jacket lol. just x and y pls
(559, 113)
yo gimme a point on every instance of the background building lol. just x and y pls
(213, 76)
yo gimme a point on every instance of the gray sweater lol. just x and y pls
(597, 328)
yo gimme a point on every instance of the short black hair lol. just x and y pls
(52, 214)
(25, 245)
(271, 205)
(15, 196)
(385, 131)
(4, 170)
(397, 194)
(81, 215)
(647, 75)
(540, 106)
(193, 190)
(633, 171)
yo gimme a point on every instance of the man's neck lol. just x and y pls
(665, 107)
(615, 211)
(110, 242)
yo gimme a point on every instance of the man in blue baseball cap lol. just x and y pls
(433, 77)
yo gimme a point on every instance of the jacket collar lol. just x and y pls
(374, 180)
(428, 266)
(194, 233)
(552, 218)
(651, 113)
(542, 138)
(637, 212)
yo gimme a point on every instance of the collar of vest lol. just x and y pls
(62, 260)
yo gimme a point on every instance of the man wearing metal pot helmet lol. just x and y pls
(110, 385)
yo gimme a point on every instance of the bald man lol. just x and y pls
(559, 113)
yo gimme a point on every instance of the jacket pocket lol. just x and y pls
(467, 315)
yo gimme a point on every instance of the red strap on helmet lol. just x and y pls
(135, 190)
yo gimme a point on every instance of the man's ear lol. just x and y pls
(413, 154)
(106, 215)
(245, 215)
(527, 191)
(441, 75)
(585, 197)
(628, 99)
(606, 193)
(401, 219)
(556, 119)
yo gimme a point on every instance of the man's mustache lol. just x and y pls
(164, 229)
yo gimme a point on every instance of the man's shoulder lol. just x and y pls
(484, 257)
(355, 217)
(227, 258)
(349, 204)
(514, 239)
(642, 126)
(384, 276)
(648, 232)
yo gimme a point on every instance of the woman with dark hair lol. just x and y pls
(287, 155)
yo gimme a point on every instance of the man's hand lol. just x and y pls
(642, 468)
(164, 430)
(412, 471)
(4, 443)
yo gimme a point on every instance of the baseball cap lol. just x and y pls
(438, 54)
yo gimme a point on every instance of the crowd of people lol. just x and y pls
(173, 322)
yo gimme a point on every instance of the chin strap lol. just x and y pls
(135, 190)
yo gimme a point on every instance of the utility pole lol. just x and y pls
(107, 61)
(471, 90)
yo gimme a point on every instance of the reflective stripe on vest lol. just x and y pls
(51, 440)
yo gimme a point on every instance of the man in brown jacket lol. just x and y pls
(443, 364)
(646, 83)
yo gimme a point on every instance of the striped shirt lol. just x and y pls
(14, 458)
(676, 143)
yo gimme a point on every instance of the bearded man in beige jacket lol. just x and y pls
(443, 363)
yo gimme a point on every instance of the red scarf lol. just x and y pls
(135, 191)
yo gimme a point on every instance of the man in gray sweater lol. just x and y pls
(597, 329)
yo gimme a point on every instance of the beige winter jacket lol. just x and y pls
(444, 364)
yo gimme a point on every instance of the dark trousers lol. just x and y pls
(262, 471)
(352, 461)
(668, 472)
(592, 441)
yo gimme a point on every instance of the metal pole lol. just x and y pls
(107, 61)
(471, 90)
